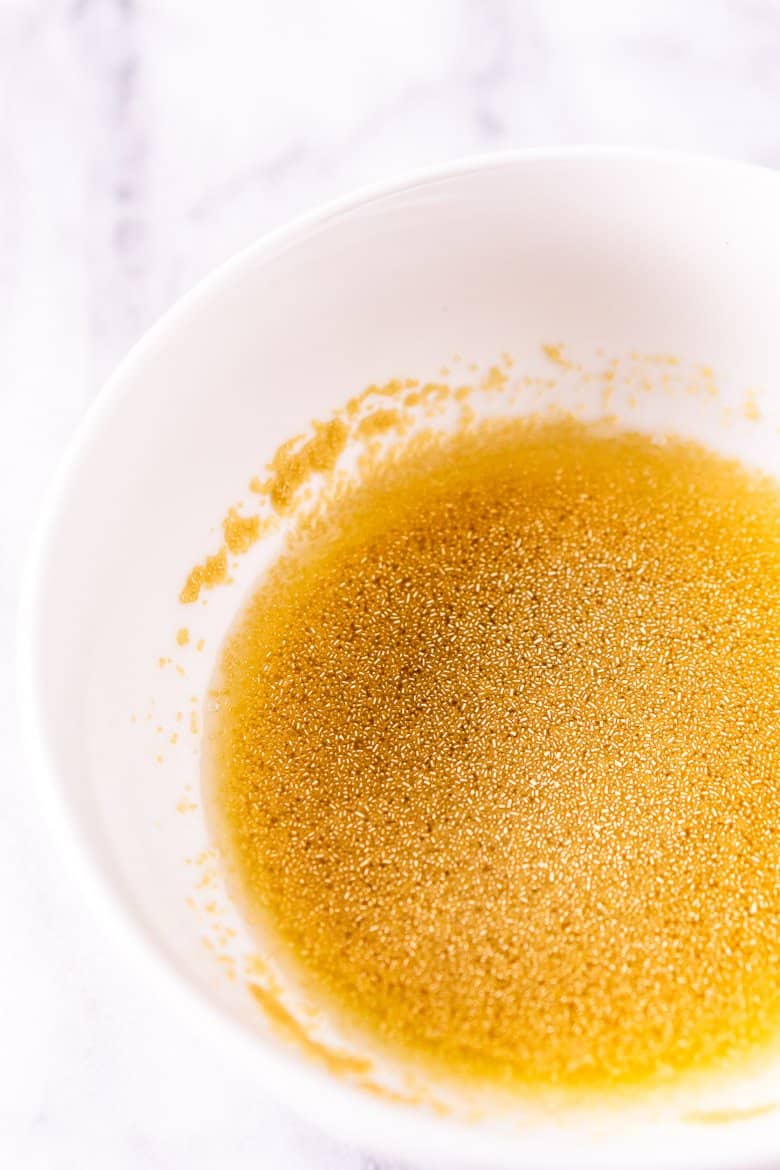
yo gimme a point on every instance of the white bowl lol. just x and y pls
(620, 252)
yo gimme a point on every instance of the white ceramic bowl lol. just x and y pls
(612, 251)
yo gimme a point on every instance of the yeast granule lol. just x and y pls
(495, 753)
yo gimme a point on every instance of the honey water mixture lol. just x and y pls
(494, 754)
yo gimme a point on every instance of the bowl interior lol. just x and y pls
(612, 256)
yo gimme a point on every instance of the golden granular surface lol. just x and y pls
(496, 750)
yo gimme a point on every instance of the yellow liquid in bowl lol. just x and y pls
(497, 753)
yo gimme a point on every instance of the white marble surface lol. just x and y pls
(142, 141)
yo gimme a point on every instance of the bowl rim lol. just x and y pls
(338, 1107)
